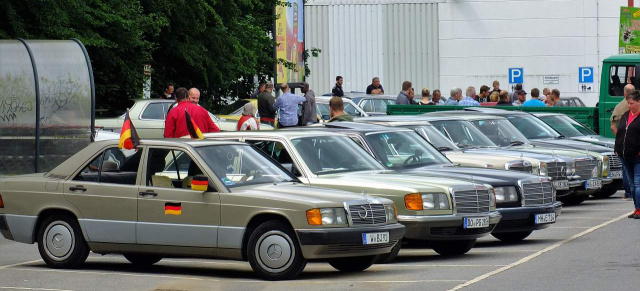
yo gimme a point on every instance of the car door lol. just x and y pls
(105, 192)
(169, 212)
(150, 123)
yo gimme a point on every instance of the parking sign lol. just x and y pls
(585, 74)
(516, 75)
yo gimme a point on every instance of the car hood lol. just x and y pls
(515, 153)
(478, 175)
(304, 194)
(560, 152)
(570, 144)
(597, 139)
(392, 180)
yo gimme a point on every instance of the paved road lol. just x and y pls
(592, 247)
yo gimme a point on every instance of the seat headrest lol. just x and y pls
(109, 166)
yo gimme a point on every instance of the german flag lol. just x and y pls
(172, 208)
(192, 127)
(199, 183)
(129, 138)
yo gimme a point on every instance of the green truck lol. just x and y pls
(617, 71)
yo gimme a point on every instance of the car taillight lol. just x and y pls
(1, 202)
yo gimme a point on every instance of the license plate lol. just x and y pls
(545, 218)
(615, 174)
(593, 184)
(375, 238)
(476, 222)
(561, 185)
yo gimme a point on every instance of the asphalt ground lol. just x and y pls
(593, 246)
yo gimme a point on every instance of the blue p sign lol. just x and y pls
(516, 75)
(585, 74)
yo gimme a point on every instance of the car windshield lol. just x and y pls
(532, 127)
(501, 132)
(567, 126)
(441, 142)
(334, 154)
(231, 108)
(241, 165)
(463, 134)
(404, 149)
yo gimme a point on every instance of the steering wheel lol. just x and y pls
(412, 159)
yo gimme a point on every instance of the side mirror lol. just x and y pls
(200, 183)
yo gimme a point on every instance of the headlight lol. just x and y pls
(391, 212)
(605, 166)
(542, 169)
(506, 194)
(327, 216)
(432, 201)
(523, 166)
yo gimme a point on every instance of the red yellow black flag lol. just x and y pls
(192, 127)
(129, 138)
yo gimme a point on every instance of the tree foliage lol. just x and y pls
(217, 46)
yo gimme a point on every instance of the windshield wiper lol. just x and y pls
(444, 149)
(516, 143)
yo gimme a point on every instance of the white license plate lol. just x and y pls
(593, 184)
(561, 185)
(476, 222)
(545, 218)
(615, 174)
(375, 238)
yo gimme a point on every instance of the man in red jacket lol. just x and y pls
(176, 125)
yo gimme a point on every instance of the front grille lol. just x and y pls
(472, 201)
(348, 248)
(537, 193)
(587, 168)
(367, 214)
(522, 168)
(460, 230)
(557, 170)
(614, 162)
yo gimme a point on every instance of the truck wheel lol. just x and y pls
(605, 193)
(142, 259)
(390, 257)
(274, 253)
(453, 248)
(60, 242)
(512, 236)
(353, 264)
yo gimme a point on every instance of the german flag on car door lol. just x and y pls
(171, 208)
(192, 127)
(129, 138)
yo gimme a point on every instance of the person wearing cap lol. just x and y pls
(521, 96)
(469, 100)
(534, 101)
(248, 120)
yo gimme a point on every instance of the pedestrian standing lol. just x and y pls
(337, 89)
(456, 95)
(505, 100)
(469, 99)
(336, 110)
(265, 106)
(554, 99)
(496, 87)
(534, 101)
(375, 88)
(287, 104)
(426, 97)
(194, 95)
(494, 97)
(484, 94)
(618, 111)
(258, 90)
(309, 115)
(436, 98)
(175, 124)
(627, 147)
(248, 120)
(521, 96)
(545, 94)
(168, 92)
(403, 97)
(514, 96)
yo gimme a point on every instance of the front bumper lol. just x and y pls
(4, 228)
(446, 227)
(520, 219)
(346, 242)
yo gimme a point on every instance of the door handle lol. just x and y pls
(148, 193)
(78, 188)
(609, 110)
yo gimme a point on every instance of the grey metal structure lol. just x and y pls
(47, 101)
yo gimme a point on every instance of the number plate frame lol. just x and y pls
(545, 218)
(561, 185)
(476, 222)
(615, 174)
(593, 184)
(375, 238)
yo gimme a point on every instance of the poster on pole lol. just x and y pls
(290, 41)
(628, 41)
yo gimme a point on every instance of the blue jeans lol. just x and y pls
(631, 169)
(625, 181)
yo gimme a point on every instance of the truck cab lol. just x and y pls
(617, 72)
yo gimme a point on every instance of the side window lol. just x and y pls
(367, 105)
(113, 166)
(380, 106)
(351, 110)
(155, 111)
(169, 168)
(620, 76)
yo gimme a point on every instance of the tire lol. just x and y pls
(453, 248)
(390, 257)
(512, 236)
(61, 243)
(142, 259)
(573, 200)
(353, 264)
(605, 193)
(276, 237)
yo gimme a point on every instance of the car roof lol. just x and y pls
(351, 127)
(395, 120)
(281, 133)
(170, 142)
(542, 114)
(466, 115)
(495, 111)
